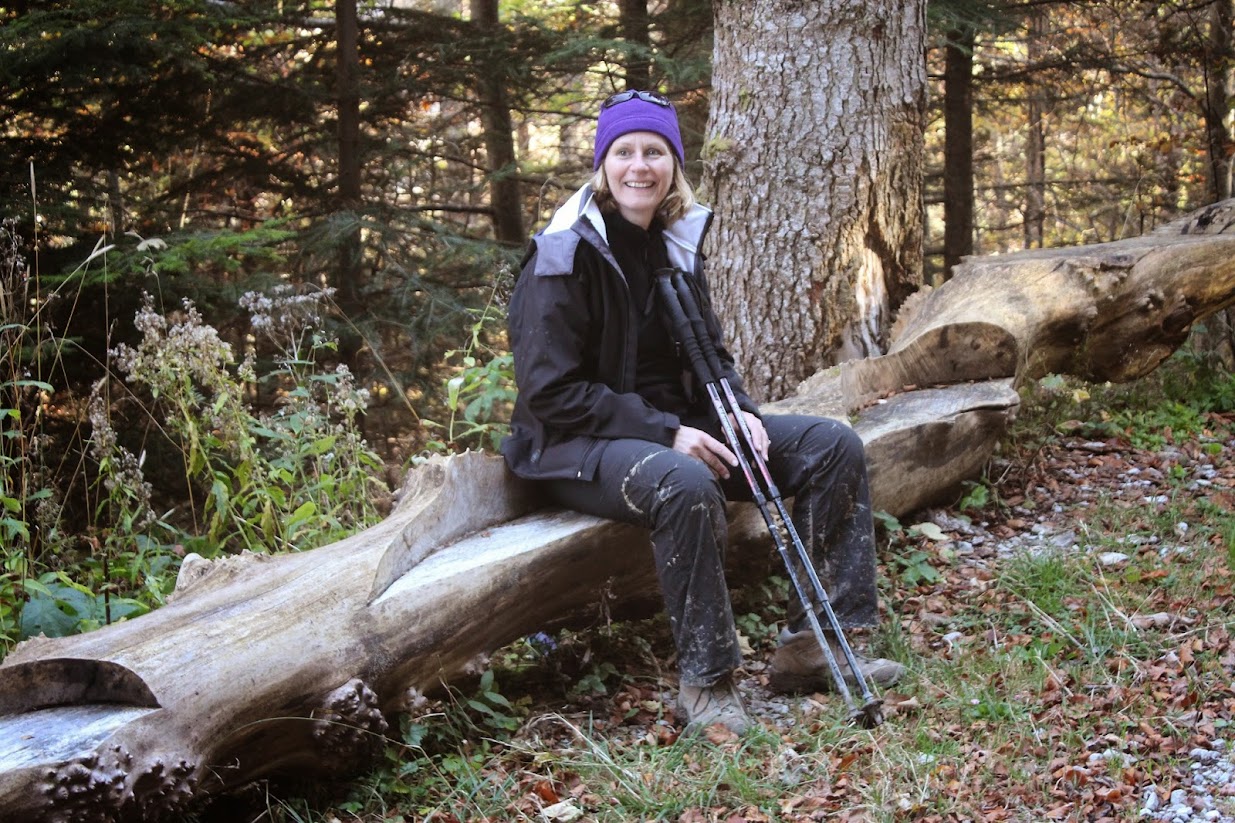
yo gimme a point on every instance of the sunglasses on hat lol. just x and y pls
(630, 94)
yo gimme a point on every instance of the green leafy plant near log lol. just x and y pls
(481, 392)
(293, 478)
(269, 448)
(22, 494)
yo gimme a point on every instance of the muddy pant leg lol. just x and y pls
(676, 497)
(822, 465)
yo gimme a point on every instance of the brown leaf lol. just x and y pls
(894, 703)
(1059, 811)
(545, 791)
(750, 816)
(1111, 795)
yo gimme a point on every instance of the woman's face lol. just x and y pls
(639, 170)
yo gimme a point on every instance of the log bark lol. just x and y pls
(264, 665)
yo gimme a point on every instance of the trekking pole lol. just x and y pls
(691, 331)
(691, 301)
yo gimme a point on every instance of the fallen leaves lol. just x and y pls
(1020, 709)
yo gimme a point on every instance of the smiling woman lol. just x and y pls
(607, 423)
(641, 168)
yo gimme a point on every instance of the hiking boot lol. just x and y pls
(798, 665)
(703, 706)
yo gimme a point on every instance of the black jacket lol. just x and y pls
(573, 333)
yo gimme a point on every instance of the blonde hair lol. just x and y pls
(677, 202)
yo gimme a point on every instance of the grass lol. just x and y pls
(1046, 683)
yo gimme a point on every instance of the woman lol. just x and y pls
(608, 420)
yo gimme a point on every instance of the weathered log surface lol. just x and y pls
(267, 665)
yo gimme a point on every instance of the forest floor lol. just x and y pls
(1067, 626)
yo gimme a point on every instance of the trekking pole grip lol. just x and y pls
(694, 313)
(682, 330)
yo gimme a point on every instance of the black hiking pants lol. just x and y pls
(817, 461)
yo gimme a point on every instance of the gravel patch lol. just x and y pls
(1207, 793)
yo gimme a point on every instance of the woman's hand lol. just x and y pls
(758, 434)
(699, 444)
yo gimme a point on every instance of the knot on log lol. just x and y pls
(162, 791)
(350, 725)
(1101, 274)
(86, 790)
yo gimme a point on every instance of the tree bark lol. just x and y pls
(273, 665)
(958, 198)
(1035, 144)
(817, 250)
(634, 23)
(1220, 337)
(504, 193)
(347, 38)
(1218, 66)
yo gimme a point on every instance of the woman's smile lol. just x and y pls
(639, 168)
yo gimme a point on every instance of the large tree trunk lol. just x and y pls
(504, 195)
(347, 70)
(1035, 140)
(820, 246)
(958, 197)
(267, 665)
(634, 21)
(1219, 64)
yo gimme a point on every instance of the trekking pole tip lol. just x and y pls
(870, 716)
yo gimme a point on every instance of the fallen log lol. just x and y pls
(270, 665)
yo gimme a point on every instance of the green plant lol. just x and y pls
(915, 565)
(58, 606)
(440, 758)
(494, 709)
(291, 478)
(978, 495)
(1228, 539)
(595, 679)
(1199, 378)
(480, 394)
(28, 503)
(759, 606)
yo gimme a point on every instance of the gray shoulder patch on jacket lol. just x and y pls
(555, 254)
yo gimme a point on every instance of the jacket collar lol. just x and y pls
(683, 238)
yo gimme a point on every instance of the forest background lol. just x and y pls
(255, 254)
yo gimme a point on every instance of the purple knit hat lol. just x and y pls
(637, 111)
